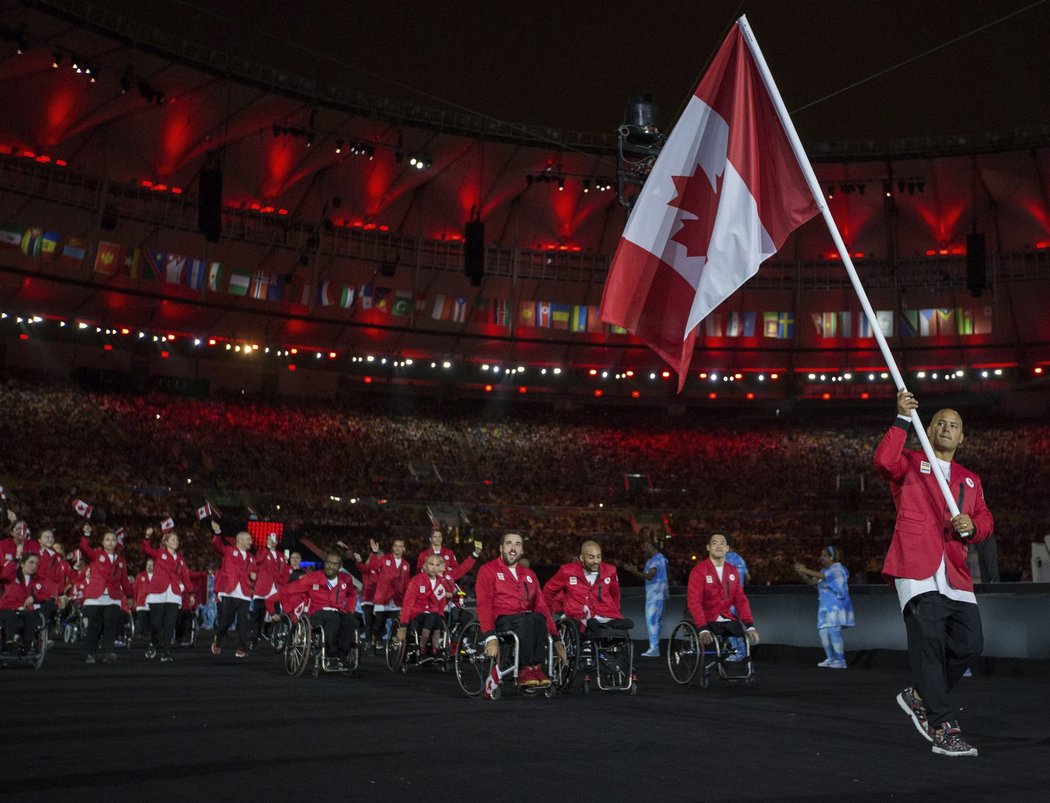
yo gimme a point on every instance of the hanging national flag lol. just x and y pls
(594, 319)
(196, 273)
(713, 325)
(381, 298)
(82, 508)
(442, 308)
(364, 296)
(133, 263)
(402, 304)
(722, 197)
(578, 323)
(204, 511)
(240, 280)
(459, 309)
(909, 323)
(300, 292)
(560, 316)
(215, 273)
(276, 289)
(964, 321)
(49, 241)
(109, 258)
(73, 253)
(982, 321)
(527, 313)
(421, 303)
(480, 311)
(175, 269)
(927, 322)
(831, 324)
(156, 265)
(946, 321)
(785, 326)
(770, 324)
(885, 321)
(543, 314)
(32, 242)
(748, 327)
(733, 325)
(499, 312)
(11, 236)
(328, 293)
(260, 286)
(167, 525)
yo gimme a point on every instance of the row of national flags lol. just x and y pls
(930, 322)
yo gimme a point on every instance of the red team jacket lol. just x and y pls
(420, 597)
(16, 593)
(500, 594)
(707, 597)
(55, 570)
(447, 554)
(569, 592)
(313, 589)
(169, 571)
(106, 575)
(391, 580)
(237, 567)
(368, 579)
(272, 571)
(141, 583)
(923, 532)
(8, 548)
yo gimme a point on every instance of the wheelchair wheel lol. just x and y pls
(297, 651)
(353, 656)
(39, 647)
(396, 651)
(191, 640)
(683, 653)
(280, 630)
(565, 672)
(471, 664)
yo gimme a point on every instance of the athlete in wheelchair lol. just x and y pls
(432, 616)
(721, 632)
(596, 636)
(26, 606)
(514, 636)
(320, 606)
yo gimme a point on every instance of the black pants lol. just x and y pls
(103, 620)
(142, 627)
(379, 620)
(426, 621)
(944, 636)
(162, 619)
(531, 630)
(338, 629)
(614, 628)
(229, 608)
(368, 614)
(23, 624)
(258, 615)
(988, 559)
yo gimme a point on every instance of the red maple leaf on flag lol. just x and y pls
(696, 196)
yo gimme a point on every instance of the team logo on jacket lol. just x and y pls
(164, 556)
(608, 580)
(500, 575)
(969, 482)
(732, 577)
(316, 587)
(572, 581)
(710, 579)
(422, 589)
(924, 467)
(528, 578)
(439, 592)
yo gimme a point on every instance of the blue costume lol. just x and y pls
(834, 612)
(657, 590)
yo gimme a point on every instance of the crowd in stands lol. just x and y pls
(346, 471)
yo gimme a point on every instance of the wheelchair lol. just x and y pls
(401, 654)
(74, 623)
(279, 629)
(125, 630)
(690, 661)
(306, 645)
(473, 667)
(30, 652)
(602, 657)
(187, 628)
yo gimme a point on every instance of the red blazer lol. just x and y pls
(8, 548)
(707, 598)
(500, 594)
(447, 554)
(105, 575)
(313, 589)
(369, 575)
(923, 532)
(142, 581)
(236, 568)
(16, 593)
(272, 571)
(55, 569)
(169, 571)
(391, 580)
(197, 587)
(569, 592)
(421, 598)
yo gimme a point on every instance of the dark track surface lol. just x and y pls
(209, 728)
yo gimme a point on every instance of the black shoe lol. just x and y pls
(109, 657)
(151, 652)
(910, 703)
(166, 658)
(90, 659)
(948, 741)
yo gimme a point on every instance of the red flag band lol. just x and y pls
(82, 508)
(492, 682)
(722, 197)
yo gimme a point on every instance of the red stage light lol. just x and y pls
(331, 355)
(523, 389)
(211, 341)
(750, 396)
(599, 393)
(666, 374)
(865, 395)
(488, 388)
(106, 347)
(23, 336)
(368, 380)
(125, 331)
(176, 190)
(712, 396)
(164, 355)
(635, 394)
(291, 366)
(825, 396)
(1039, 369)
(146, 183)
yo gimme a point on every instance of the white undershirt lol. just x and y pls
(590, 577)
(718, 571)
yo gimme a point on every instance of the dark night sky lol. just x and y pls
(573, 64)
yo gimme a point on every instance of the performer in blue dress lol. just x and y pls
(835, 610)
(657, 590)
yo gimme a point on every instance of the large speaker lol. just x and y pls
(976, 270)
(474, 250)
(209, 203)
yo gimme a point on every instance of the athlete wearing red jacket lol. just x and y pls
(271, 569)
(233, 587)
(392, 574)
(714, 590)
(586, 588)
(168, 587)
(107, 589)
(510, 598)
(330, 597)
(26, 601)
(18, 544)
(926, 564)
(436, 548)
(368, 571)
(53, 566)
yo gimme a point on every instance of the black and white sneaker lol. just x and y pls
(948, 741)
(910, 703)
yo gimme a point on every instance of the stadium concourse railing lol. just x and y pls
(86, 193)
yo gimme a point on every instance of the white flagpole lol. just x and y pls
(814, 188)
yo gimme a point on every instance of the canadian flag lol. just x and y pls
(167, 524)
(82, 508)
(492, 682)
(204, 511)
(722, 197)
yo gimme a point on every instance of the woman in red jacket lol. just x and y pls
(107, 587)
(25, 603)
(170, 581)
